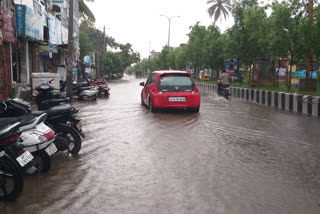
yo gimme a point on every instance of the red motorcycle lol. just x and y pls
(102, 85)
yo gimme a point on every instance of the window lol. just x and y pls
(175, 82)
(151, 79)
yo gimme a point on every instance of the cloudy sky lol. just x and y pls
(139, 23)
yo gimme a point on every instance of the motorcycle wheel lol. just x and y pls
(42, 161)
(11, 179)
(72, 136)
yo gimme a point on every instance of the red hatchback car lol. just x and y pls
(170, 89)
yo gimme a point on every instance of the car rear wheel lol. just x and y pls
(142, 103)
(195, 110)
(151, 107)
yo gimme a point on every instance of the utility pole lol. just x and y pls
(104, 47)
(70, 51)
(309, 53)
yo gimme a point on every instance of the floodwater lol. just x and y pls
(234, 157)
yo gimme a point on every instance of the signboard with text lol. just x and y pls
(29, 22)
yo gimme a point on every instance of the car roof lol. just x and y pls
(170, 72)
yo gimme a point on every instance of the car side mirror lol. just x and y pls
(142, 83)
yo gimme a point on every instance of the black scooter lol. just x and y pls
(46, 97)
(60, 118)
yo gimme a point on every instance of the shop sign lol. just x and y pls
(29, 22)
(8, 28)
(53, 48)
(75, 73)
(43, 48)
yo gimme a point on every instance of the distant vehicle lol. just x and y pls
(139, 74)
(204, 75)
(170, 89)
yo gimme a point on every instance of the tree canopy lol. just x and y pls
(283, 33)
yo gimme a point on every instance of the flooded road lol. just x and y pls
(232, 157)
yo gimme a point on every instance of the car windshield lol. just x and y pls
(175, 82)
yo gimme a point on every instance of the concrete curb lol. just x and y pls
(308, 105)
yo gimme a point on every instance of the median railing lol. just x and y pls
(305, 104)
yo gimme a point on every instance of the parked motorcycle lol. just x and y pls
(60, 118)
(102, 85)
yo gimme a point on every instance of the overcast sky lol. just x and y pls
(139, 23)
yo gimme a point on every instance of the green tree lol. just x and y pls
(85, 12)
(196, 47)
(219, 7)
(214, 49)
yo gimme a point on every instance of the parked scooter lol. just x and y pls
(38, 138)
(46, 97)
(84, 92)
(24, 146)
(60, 118)
(10, 143)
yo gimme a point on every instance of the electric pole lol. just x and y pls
(70, 51)
(104, 48)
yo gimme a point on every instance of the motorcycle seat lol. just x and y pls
(62, 100)
(86, 88)
(37, 113)
(8, 121)
(56, 110)
(24, 120)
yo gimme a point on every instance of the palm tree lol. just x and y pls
(85, 12)
(219, 7)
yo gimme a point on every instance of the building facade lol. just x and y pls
(34, 37)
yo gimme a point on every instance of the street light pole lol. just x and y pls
(169, 19)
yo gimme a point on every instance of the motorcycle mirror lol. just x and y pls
(51, 81)
(142, 83)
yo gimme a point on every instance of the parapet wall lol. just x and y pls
(308, 105)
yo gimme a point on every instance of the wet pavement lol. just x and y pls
(232, 157)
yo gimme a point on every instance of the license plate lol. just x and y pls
(177, 99)
(50, 150)
(25, 158)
